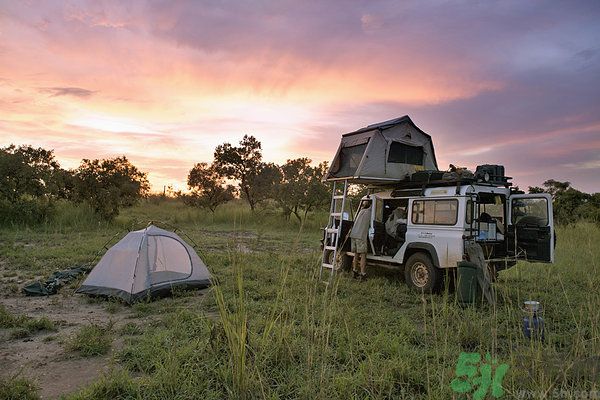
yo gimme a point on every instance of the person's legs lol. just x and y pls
(363, 264)
(355, 260)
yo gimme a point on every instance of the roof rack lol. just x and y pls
(412, 187)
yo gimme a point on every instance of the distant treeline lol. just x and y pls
(32, 181)
(296, 187)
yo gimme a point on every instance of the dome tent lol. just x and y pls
(147, 262)
(385, 152)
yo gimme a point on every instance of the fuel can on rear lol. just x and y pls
(533, 323)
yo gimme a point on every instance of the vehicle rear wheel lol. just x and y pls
(421, 275)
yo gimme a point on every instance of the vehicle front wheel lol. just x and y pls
(421, 275)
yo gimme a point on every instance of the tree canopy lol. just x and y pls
(301, 189)
(207, 187)
(107, 185)
(570, 205)
(244, 164)
(30, 180)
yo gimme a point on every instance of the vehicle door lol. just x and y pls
(530, 231)
(434, 226)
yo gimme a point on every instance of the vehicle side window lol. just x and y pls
(469, 216)
(530, 211)
(435, 212)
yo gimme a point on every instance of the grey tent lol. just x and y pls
(147, 262)
(384, 152)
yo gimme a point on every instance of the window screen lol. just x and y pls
(405, 154)
(167, 254)
(435, 212)
(350, 158)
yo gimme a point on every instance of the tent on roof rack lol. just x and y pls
(148, 262)
(385, 152)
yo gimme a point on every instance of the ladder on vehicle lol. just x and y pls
(333, 230)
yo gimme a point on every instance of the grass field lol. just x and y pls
(270, 329)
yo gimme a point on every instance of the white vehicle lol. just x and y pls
(442, 212)
(441, 219)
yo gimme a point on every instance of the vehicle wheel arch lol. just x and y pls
(421, 247)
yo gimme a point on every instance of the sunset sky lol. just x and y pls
(163, 82)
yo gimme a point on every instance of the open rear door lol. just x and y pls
(531, 227)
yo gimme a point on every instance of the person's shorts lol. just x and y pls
(358, 246)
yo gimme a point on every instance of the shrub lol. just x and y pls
(109, 185)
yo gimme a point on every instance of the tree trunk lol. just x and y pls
(298, 216)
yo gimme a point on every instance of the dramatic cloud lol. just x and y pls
(164, 82)
(67, 91)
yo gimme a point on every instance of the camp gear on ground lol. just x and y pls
(468, 289)
(475, 253)
(57, 280)
(388, 151)
(146, 262)
(533, 323)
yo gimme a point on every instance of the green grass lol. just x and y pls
(116, 385)
(270, 329)
(91, 340)
(22, 326)
(17, 389)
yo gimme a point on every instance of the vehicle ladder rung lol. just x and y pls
(329, 247)
(327, 265)
(336, 214)
(339, 197)
(332, 230)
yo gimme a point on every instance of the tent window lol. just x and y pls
(350, 158)
(405, 154)
(168, 259)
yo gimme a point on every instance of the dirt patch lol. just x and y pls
(43, 358)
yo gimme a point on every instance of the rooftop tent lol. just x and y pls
(386, 151)
(147, 262)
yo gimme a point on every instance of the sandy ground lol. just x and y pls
(42, 357)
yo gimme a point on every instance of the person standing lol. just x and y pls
(358, 237)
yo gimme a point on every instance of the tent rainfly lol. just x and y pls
(148, 262)
(385, 152)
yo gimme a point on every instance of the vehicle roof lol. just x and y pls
(440, 191)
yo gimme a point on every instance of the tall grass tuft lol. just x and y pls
(235, 325)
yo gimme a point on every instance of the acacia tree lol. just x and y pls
(208, 188)
(301, 188)
(244, 164)
(107, 185)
